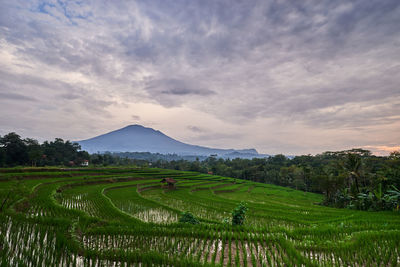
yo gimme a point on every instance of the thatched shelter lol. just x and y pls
(169, 181)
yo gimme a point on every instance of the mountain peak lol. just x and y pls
(137, 138)
(135, 126)
(139, 129)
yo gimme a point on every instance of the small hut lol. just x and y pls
(170, 182)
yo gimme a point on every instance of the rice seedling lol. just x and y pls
(126, 217)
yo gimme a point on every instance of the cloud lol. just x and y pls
(135, 117)
(174, 92)
(13, 96)
(70, 96)
(176, 87)
(195, 129)
(218, 136)
(310, 66)
(382, 150)
(180, 91)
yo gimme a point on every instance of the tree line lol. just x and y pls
(15, 151)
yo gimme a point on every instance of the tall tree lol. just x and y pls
(16, 152)
(2, 154)
(353, 165)
(34, 151)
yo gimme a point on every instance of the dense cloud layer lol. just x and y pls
(281, 76)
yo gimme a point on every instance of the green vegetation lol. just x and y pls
(15, 151)
(187, 217)
(352, 178)
(239, 214)
(125, 217)
(348, 179)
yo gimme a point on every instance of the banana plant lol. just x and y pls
(393, 196)
(378, 193)
(365, 200)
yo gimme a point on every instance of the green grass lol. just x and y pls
(125, 216)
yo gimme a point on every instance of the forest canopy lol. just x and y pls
(15, 151)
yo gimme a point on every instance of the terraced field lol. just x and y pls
(126, 217)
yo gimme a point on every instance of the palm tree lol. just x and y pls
(353, 166)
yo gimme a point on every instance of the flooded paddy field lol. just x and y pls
(129, 217)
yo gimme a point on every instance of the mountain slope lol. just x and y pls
(136, 138)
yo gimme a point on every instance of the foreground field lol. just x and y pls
(126, 217)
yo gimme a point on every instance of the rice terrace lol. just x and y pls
(128, 217)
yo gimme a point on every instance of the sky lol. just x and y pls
(291, 77)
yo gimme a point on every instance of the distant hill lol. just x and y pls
(136, 138)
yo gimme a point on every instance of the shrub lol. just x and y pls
(239, 214)
(187, 217)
